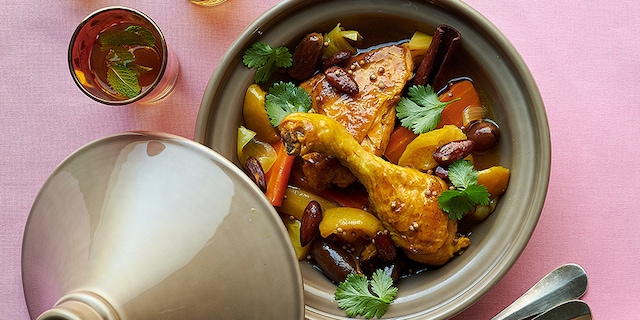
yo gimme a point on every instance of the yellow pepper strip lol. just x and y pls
(349, 223)
(255, 115)
(249, 146)
(293, 228)
(296, 200)
(495, 178)
(419, 152)
(418, 45)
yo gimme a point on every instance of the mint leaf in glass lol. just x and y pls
(123, 80)
(146, 37)
(122, 70)
(138, 69)
(120, 55)
(131, 36)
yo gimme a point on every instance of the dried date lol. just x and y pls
(441, 172)
(385, 246)
(448, 153)
(335, 262)
(339, 59)
(306, 57)
(255, 172)
(484, 133)
(341, 80)
(310, 221)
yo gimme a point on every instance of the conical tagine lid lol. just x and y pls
(154, 226)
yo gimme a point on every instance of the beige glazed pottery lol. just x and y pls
(500, 76)
(154, 226)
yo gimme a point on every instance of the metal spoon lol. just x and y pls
(565, 283)
(572, 309)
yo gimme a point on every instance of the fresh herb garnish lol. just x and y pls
(359, 296)
(123, 80)
(467, 193)
(421, 111)
(122, 70)
(120, 55)
(131, 36)
(285, 98)
(266, 60)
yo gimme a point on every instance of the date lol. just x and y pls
(484, 133)
(339, 59)
(441, 172)
(448, 153)
(255, 172)
(341, 80)
(335, 262)
(385, 247)
(310, 221)
(306, 57)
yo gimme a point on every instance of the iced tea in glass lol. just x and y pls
(118, 56)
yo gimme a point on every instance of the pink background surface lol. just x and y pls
(583, 55)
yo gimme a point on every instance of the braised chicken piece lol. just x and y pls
(369, 115)
(404, 199)
(321, 170)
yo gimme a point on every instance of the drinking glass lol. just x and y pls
(153, 68)
(208, 2)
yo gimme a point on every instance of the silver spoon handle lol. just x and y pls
(572, 309)
(566, 282)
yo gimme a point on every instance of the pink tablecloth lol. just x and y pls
(584, 56)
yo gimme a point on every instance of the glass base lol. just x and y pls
(208, 2)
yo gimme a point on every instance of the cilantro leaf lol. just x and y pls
(467, 193)
(421, 111)
(478, 194)
(266, 60)
(382, 286)
(282, 57)
(263, 73)
(359, 296)
(257, 55)
(456, 203)
(285, 98)
(462, 174)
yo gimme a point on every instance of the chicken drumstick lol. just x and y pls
(404, 199)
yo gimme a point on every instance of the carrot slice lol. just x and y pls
(400, 138)
(278, 176)
(453, 113)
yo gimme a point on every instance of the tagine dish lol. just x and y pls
(386, 149)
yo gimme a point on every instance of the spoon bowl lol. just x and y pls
(564, 283)
(572, 309)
